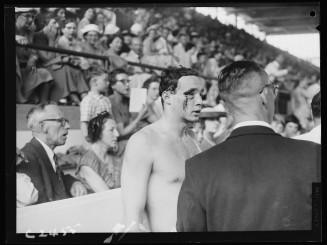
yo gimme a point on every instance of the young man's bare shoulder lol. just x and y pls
(146, 136)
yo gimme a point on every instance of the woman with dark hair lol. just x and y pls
(115, 44)
(98, 169)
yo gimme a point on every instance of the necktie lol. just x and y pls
(55, 158)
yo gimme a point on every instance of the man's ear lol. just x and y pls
(264, 100)
(166, 96)
(43, 127)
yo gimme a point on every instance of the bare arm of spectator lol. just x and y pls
(131, 127)
(136, 172)
(93, 179)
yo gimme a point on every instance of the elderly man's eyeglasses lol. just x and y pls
(273, 86)
(62, 121)
(28, 16)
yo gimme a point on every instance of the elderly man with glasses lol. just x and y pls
(49, 129)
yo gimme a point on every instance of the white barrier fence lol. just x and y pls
(98, 212)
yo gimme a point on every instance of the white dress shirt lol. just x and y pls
(49, 152)
(252, 123)
(314, 135)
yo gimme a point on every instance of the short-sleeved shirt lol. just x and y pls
(109, 172)
(93, 104)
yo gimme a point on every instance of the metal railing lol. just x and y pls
(105, 59)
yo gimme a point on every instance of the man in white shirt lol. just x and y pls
(49, 129)
(315, 134)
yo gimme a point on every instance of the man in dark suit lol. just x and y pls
(49, 129)
(256, 180)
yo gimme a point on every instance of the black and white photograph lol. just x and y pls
(157, 122)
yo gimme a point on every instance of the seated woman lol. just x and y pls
(98, 169)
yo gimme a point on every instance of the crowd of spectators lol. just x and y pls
(161, 37)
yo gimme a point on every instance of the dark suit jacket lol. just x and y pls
(256, 180)
(42, 174)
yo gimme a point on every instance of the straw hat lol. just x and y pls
(210, 112)
(24, 10)
(91, 27)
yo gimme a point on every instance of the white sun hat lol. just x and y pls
(136, 28)
(91, 27)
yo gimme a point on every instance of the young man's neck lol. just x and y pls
(174, 125)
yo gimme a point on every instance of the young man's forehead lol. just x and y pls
(189, 82)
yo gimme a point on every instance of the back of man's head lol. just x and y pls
(240, 79)
(316, 106)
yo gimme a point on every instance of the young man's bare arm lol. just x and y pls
(136, 172)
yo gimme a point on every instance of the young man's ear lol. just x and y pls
(166, 96)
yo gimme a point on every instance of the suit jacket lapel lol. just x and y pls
(51, 179)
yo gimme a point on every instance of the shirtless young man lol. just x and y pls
(154, 162)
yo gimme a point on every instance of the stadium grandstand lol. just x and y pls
(60, 48)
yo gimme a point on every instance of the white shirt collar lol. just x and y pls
(49, 152)
(252, 123)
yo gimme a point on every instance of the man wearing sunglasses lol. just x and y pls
(256, 180)
(49, 129)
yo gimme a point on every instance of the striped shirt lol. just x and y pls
(93, 104)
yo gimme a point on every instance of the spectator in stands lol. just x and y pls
(198, 50)
(315, 134)
(277, 123)
(61, 14)
(69, 82)
(201, 60)
(98, 169)
(86, 20)
(100, 21)
(149, 47)
(49, 129)
(32, 82)
(115, 44)
(154, 112)
(291, 127)
(162, 45)
(198, 128)
(189, 51)
(273, 68)
(213, 65)
(179, 50)
(135, 55)
(91, 34)
(300, 102)
(95, 101)
(127, 41)
(126, 124)
(212, 125)
(26, 193)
